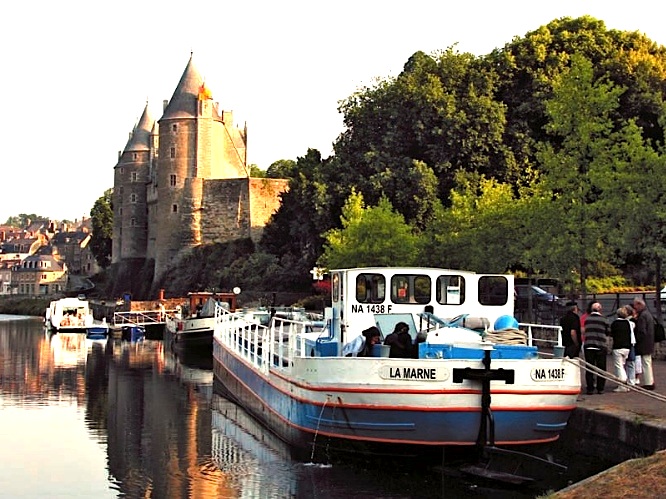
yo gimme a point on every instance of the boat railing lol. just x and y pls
(542, 335)
(275, 345)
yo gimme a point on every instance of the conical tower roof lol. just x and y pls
(183, 103)
(140, 139)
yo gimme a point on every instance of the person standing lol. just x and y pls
(644, 331)
(570, 324)
(595, 348)
(620, 331)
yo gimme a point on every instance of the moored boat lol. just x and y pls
(463, 382)
(191, 326)
(72, 315)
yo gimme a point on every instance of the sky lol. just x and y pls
(77, 74)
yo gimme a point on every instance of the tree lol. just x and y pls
(282, 168)
(374, 236)
(580, 167)
(101, 216)
(256, 172)
(437, 117)
(528, 66)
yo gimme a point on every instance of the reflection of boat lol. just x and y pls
(192, 325)
(133, 333)
(69, 349)
(458, 387)
(244, 450)
(68, 315)
(98, 330)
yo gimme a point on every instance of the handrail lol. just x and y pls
(265, 347)
(530, 333)
(141, 317)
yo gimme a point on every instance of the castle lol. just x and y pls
(183, 180)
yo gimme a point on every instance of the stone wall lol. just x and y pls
(264, 201)
(225, 210)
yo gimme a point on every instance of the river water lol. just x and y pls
(120, 419)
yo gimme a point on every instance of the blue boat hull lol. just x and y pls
(300, 420)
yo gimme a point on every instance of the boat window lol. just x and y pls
(410, 289)
(450, 290)
(370, 288)
(493, 290)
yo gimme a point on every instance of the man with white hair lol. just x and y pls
(595, 348)
(644, 332)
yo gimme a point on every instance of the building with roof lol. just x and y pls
(39, 275)
(183, 180)
(74, 248)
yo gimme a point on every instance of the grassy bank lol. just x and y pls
(24, 306)
(641, 477)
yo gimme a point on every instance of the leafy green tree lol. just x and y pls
(23, 220)
(374, 236)
(482, 230)
(528, 66)
(256, 172)
(436, 118)
(294, 233)
(580, 166)
(283, 168)
(101, 216)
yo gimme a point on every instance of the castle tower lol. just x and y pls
(131, 174)
(197, 142)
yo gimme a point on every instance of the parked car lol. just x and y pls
(542, 300)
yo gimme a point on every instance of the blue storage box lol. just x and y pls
(321, 348)
(435, 351)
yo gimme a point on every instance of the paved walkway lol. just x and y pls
(639, 403)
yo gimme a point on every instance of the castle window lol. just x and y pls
(135, 155)
(173, 152)
(132, 198)
(174, 127)
(172, 180)
(120, 211)
(134, 176)
(174, 208)
(122, 171)
(132, 222)
(120, 191)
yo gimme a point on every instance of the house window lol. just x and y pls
(132, 198)
(134, 176)
(173, 152)
(172, 180)
(174, 208)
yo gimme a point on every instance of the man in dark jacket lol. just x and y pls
(570, 324)
(400, 342)
(595, 348)
(644, 331)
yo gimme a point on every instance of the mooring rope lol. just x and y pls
(506, 337)
(586, 366)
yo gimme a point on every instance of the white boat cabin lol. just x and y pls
(421, 297)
